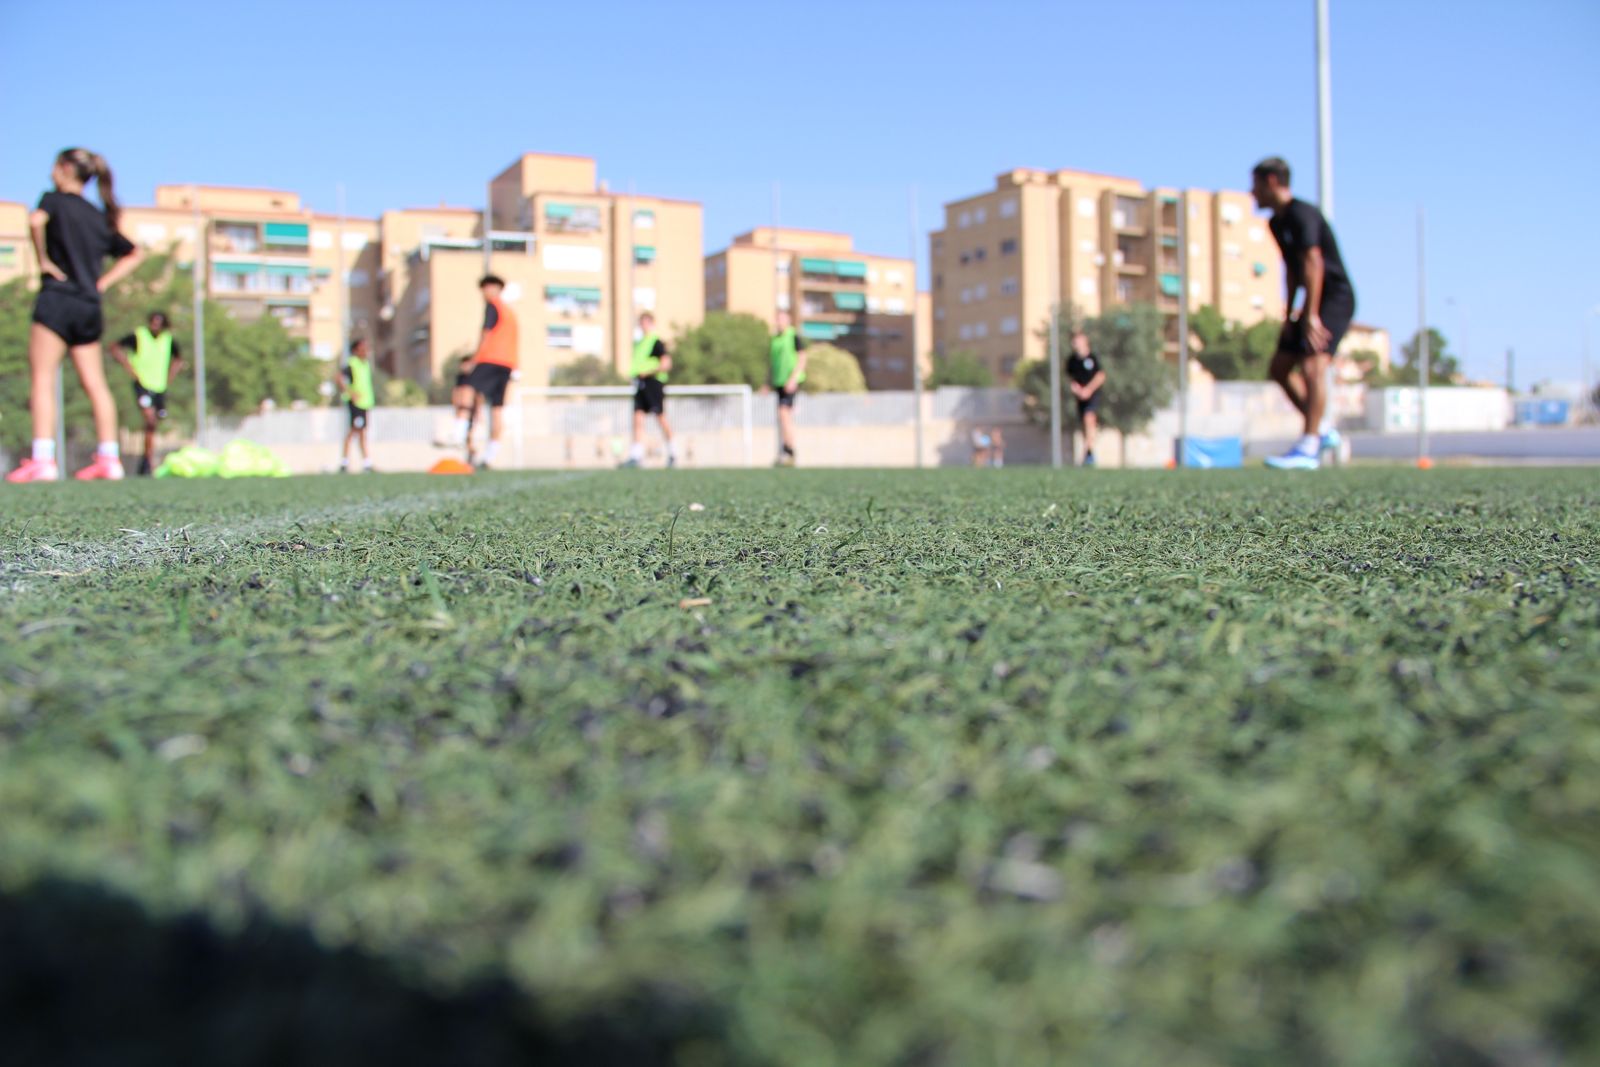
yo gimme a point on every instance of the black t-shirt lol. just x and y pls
(659, 350)
(491, 317)
(131, 343)
(78, 238)
(1299, 228)
(1082, 369)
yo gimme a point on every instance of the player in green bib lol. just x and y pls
(150, 355)
(649, 367)
(356, 385)
(788, 354)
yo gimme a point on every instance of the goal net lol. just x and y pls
(592, 426)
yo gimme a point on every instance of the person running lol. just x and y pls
(493, 364)
(1085, 377)
(355, 383)
(73, 239)
(1311, 262)
(788, 355)
(155, 359)
(651, 363)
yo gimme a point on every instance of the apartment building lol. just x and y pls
(16, 243)
(864, 304)
(1096, 241)
(581, 262)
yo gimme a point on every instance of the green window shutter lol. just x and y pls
(287, 233)
(1171, 285)
(850, 301)
(820, 331)
(850, 269)
(817, 266)
(559, 211)
(644, 253)
(233, 267)
(1258, 269)
(288, 270)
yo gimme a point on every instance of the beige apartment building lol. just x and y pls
(864, 304)
(1094, 241)
(16, 243)
(581, 263)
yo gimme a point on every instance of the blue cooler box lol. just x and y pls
(1210, 452)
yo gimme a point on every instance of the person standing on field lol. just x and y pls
(73, 239)
(356, 384)
(155, 359)
(650, 366)
(1086, 375)
(1310, 336)
(493, 364)
(787, 353)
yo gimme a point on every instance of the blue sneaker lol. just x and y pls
(1294, 460)
(1331, 440)
(1088, 460)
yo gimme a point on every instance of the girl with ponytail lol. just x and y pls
(73, 239)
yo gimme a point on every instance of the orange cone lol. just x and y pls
(1425, 463)
(450, 465)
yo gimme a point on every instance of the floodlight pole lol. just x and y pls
(1055, 344)
(1422, 342)
(1183, 328)
(1324, 115)
(344, 284)
(916, 357)
(199, 286)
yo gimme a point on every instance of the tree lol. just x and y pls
(960, 368)
(1367, 360)
(587, 371)
(725, 349)
(1139, 380)
(1231, 351)
(830, 369)
(1443, 367)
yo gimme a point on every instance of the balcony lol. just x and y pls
(1129, 216)
(818, 271)
(571, 219)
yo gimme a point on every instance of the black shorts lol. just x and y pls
(489, 380)
(786, 397)
(74, 319)
(156, 402)
(462, 375)
(1335, 316)
(359, 417)
(1090, 406)
(649, 395)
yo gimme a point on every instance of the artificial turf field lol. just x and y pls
(946, 768)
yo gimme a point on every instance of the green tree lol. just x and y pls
(959, 368)
(723, 350)
(1139, 380)
(1231, 351)
(830, 369)
(1443, 367)
(587, 371)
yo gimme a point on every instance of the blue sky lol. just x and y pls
(1483, 110)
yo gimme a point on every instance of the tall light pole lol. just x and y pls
(344, 284)
(916, 357)
(1324, 115)
(197, 266)
(1422, 348)
(1055, 342)
(1183, 327)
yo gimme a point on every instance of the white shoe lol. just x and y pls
(1293, 460)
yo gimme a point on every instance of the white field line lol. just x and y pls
(140, 548)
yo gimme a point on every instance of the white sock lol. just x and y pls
(491, 451)
(1309, 443)
(44, 449)
(463, 427)
(672, 451)
(109, 449)
(636, 451)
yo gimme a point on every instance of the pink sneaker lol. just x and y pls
(103, 467)
(35, 470)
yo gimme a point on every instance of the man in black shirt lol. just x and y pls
(1085, 376)
(1311, 261)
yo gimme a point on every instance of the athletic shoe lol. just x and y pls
(1294, 460)
(104, 468)
(1088, 461)
(628, 465)
(672, 461)
(35, 470)
(144, 466)
(1331, 440)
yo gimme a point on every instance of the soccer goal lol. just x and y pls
(554, 426)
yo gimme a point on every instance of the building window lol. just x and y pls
(784, 301)
(979, 255)
(965, 259)
(571, 300)
(1258, 301)
(895, 277)
(874, 304)
(979, 216)
(8, 255)
(1009, 286)
(644, 220)
(1008, 366)
(235, 237)
(574, 258)
(1230, 214)
(558, 336)
(938, 281)
(965, 333)
(964, 220)
(1258, 269)
(644, 255)
(1231, 250)
(1125, 290)
(1009, 325)
(1086, 206)
(1087, 286)
(1255, 233)
(644, 298)
(1087, 245)
(895, 306)
(1008, 208)
(966, 295)
(571, 218)
(980, 292)
(1008, 247)
(980, 329)
(938, 313)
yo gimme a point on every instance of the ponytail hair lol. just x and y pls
(86, 164)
